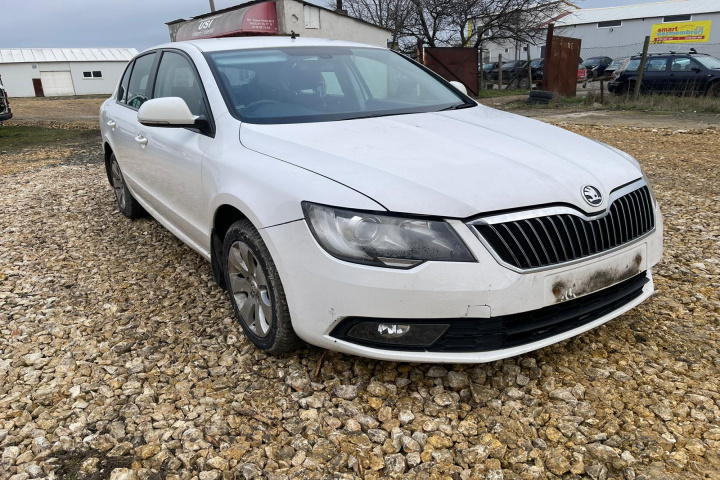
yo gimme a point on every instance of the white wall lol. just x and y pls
(291, 17)
(17, 77)
(111, 72)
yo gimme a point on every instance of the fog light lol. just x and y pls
(392, 330)
(406, 334)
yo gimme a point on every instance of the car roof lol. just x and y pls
(241, 43)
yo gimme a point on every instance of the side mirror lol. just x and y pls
(166, 112)
(459, 87)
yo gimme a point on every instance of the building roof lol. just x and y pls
(644, 10)
(39, 55)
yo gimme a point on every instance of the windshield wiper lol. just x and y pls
(456, 107)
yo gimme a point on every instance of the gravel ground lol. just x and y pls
(120, 358)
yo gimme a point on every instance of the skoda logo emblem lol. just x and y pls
(592, 195)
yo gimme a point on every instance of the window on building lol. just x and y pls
(312, 16)
(677, 18)
(92, 74)
(610, 24)
(524, 49)
(87, 74)
(507, 50)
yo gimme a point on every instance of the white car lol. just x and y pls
(348, 197)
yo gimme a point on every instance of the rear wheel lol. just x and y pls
(255, 290)
(127, 204)
(525, 84)
(714, 90)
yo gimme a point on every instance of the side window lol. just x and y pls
(122, 89)
(176, 78)
(139, 80)
(682, 64)
(656, 65)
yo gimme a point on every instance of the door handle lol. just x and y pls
(112, 125)
(141, 140)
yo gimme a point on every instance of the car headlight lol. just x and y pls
(383, 240)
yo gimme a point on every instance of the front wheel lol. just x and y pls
(255, 290)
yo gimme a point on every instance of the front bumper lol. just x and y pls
(323, 291)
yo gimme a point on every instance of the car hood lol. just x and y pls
(451, 164)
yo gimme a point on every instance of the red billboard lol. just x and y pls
(256, 19)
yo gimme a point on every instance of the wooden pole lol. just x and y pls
(500, 72)
(602, 92)
(530, 84)
(641, 70)
(548, 54)
(420, 52)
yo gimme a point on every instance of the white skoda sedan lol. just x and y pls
(350, 198)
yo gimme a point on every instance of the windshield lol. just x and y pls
(616, 63)
(316, 84)
(511, 65)
(591, 62)
(536, 63)
(708, 62)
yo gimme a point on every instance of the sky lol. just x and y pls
(127, 23)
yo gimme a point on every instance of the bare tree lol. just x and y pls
(444, 22)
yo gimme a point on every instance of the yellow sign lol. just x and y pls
(681, 32)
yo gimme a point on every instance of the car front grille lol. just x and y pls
(555, 239)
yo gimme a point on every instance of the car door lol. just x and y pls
(655, 77)
(686, 76)
(122, 120)
(172, 158)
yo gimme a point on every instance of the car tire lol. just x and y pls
(714, 90)
(255, 290)
(127, 204)
(524, 84)
(542, 94)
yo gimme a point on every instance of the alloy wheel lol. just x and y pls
(118, 184)
(249, 288)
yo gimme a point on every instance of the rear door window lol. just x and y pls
(122, 89)
(138, 91)
(656, 65)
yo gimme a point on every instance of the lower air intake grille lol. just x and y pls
(497, 333)
(555, 239)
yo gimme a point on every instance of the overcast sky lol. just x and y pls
(127, 23)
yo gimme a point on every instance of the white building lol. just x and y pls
(620, 31)
(52, 72)
(279, 17)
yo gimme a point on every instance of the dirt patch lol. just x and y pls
(72, 112)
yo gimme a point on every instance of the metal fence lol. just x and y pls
(625, 51)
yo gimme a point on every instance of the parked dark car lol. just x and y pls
(510, 70)
(596, 66)
(672, 73)
(5, 112)
(614, 65)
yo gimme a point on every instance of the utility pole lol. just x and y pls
(641, 68)
(212, 5)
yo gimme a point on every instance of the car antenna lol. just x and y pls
(692, 50)
(293, 35)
